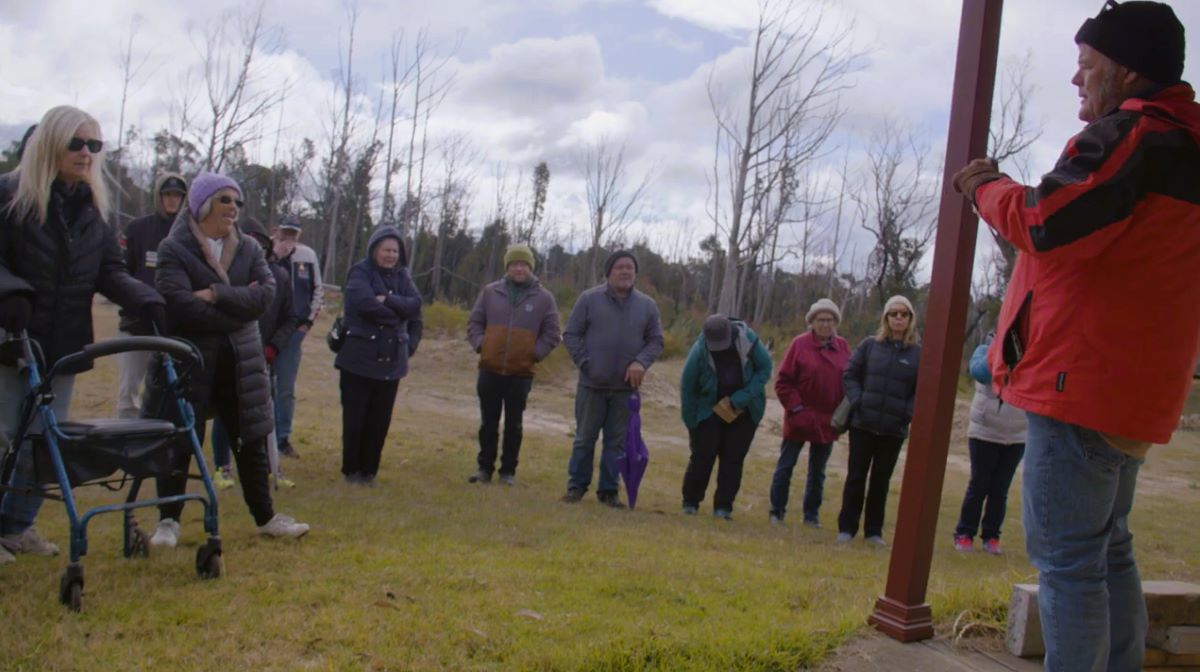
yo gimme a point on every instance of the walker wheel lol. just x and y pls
(75, 597)
(209, 564)
(139, 544)
(70, 587)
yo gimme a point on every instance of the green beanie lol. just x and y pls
(518, 253)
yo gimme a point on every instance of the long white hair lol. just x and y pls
(39, 164)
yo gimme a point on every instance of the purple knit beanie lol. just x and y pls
(204, 186)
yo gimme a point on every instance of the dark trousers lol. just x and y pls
(814, 487)
(992, 469)
(366, 414)
(714, 439)
(875, 454)
(498, 394)
(251, 456)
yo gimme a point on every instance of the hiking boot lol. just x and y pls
(223, 478)
(29, 542)
(480, 476)
(813, 523)
(775, 518)
(283, 526)
(723, 514)
(508, 479)
(573, 496)
(875, 540)
(965, 544)
(286, 449)
(844, 537)
(992, 547)
(5, 556)
(166, 534)
(610, 499)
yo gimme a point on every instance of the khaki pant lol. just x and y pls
(132, 373)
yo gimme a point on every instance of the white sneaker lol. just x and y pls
(876, 541)
(166, 534)
(283, 526)
(30, 542)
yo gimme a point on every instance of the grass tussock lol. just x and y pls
(426, 572)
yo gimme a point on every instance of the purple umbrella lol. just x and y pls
(633, 463)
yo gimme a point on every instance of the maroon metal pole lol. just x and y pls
(902, 612)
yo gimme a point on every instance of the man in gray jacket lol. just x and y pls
(614, 334)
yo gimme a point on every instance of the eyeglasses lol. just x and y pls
(226, 200)
(77, 144)
(900, 313)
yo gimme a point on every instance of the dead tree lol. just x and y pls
(612, 196)
(896, 206)
(1009, 139)
(797, 70)
(131, 71)
(338, 158)
(454, 198)
(234, 98)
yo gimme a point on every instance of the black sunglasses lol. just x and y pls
(226, 200)
(76, 144)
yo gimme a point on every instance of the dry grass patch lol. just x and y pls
(425, 572)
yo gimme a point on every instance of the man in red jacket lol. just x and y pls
(1099, 330)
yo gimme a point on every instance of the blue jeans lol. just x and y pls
(17, 512)
(814, 486)
(287, 366)
(597, 410)
(1077, 492)
(992, 468)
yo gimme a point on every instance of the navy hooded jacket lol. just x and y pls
(380, 336)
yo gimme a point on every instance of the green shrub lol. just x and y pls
(445, 319)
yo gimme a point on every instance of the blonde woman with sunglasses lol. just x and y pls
(881, 384)
(56, 252)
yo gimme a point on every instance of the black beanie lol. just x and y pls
(612, 259)
(1145, 37)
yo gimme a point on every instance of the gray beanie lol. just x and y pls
(823, 306)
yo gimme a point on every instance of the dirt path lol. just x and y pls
(443, 375)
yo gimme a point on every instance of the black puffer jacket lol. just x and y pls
(881, 384)
(62, 264)
(277, 325)
(244, 287)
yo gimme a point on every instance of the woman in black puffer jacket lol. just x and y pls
(383, 328)
(56, 252)
(881, 384)
(217, 284)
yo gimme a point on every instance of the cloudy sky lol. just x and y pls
(539, 79)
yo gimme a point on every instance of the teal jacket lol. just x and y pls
(698, 386)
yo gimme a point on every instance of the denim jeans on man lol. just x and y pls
(17, 512)
(1077, 492)
(507, 394)
(597, 410)
(814, 486)
(287, 366)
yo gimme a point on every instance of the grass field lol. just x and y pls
(426, 572)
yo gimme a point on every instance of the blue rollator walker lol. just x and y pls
(72, 453)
